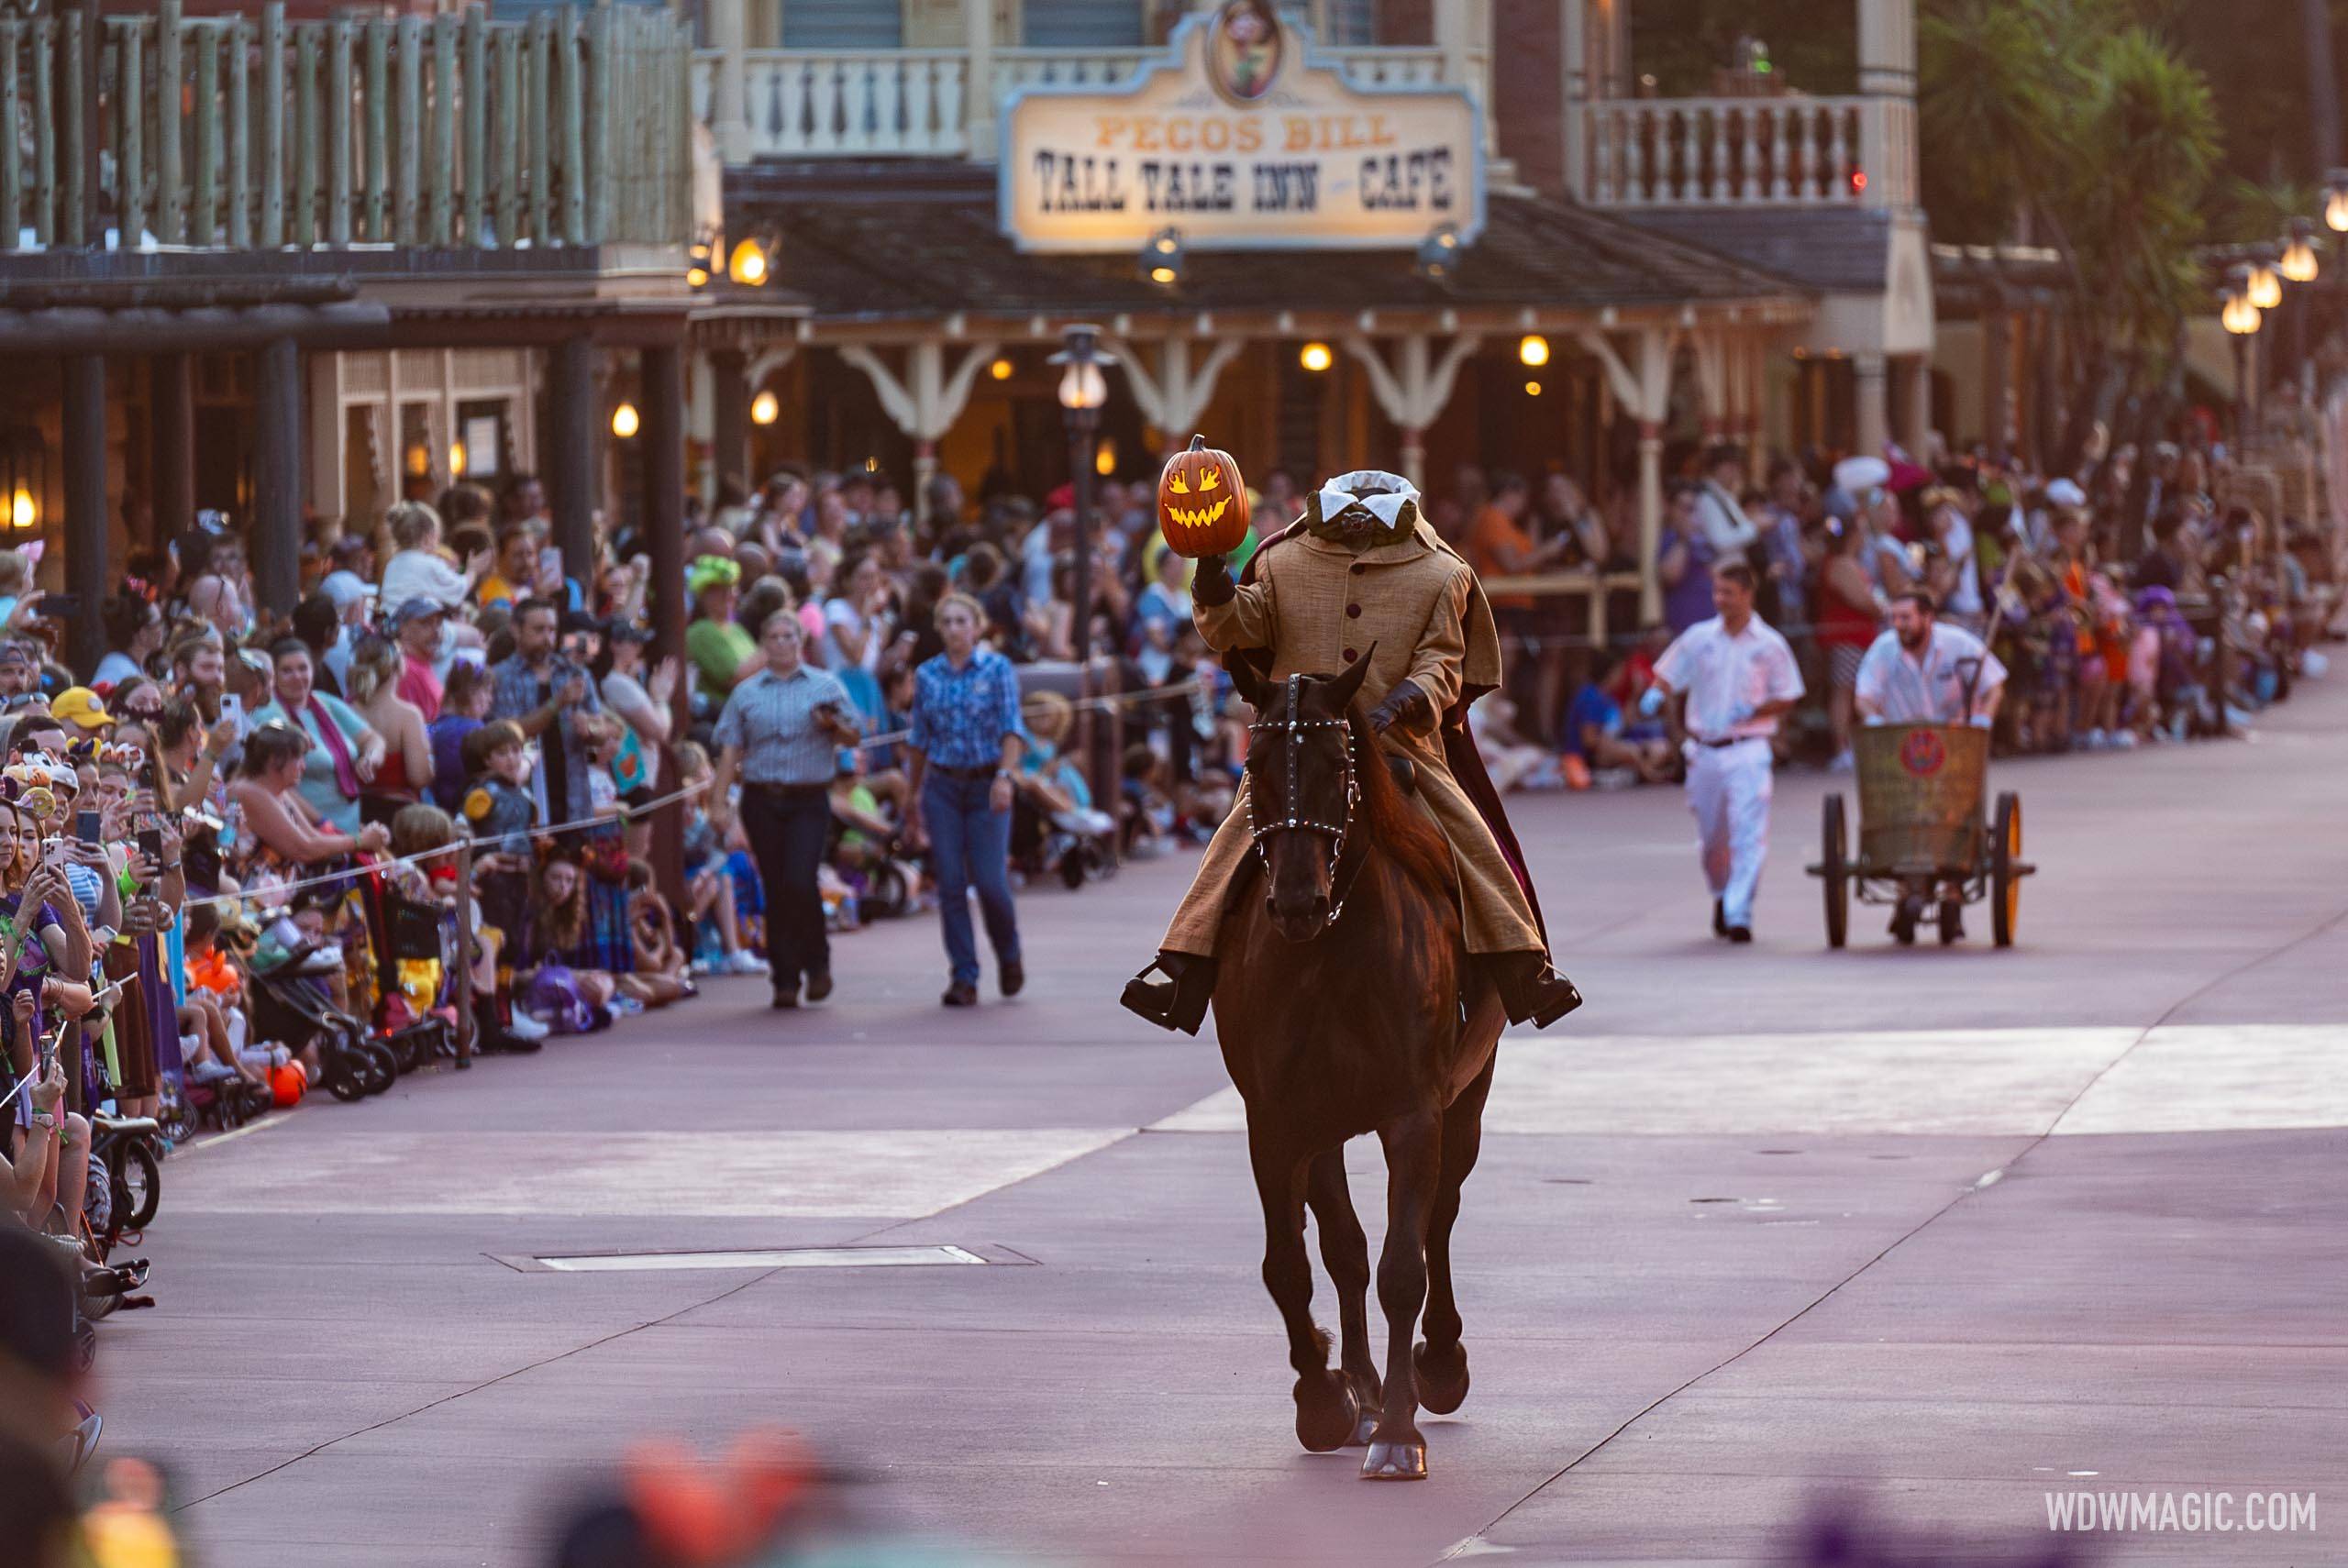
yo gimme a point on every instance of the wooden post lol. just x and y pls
(130, 102)
(540, 57)
(44, 138)
(729, 374)
(571, 447)
(1650, 521)
(662, 388)
(204, 216)
(977, 94)
(339, 109)
(83, 416)
(171, 164)
(729, 102)
(379, 89)
(12, 169)
(567, 50)
(80, 107)
(408, 147)
(172, 430)
(467, 1028)
(272, 125)
(600, 83)
(440, 168)
(241, 132)
(507, 192)
(475, 205)
(305, 215)
(277, 475)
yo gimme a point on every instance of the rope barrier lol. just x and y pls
(655, 803)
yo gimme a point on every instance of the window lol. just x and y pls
(1350, 23)
(1085, 24)
(843, 23)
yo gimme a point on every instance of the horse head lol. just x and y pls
(1303, 790)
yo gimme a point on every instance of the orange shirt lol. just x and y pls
(1491, 533)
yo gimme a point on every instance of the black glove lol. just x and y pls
(1406, 705)
(1210, 585)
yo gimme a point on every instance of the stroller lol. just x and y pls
(293, 1002)
(414, 949)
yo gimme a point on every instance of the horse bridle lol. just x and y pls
(1294, 726)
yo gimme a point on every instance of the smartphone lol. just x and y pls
(52, 853)
(150, 843)
(549, 561)
(88, 828)
(57, 606)
(47, 1050)
(232, 708)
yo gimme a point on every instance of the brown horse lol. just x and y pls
(1363, 1016)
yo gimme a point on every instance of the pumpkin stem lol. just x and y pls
(1198, 443)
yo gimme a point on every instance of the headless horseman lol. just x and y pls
(1361, 576)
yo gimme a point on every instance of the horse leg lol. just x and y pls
(1344, 1251)
(1414, 1169)
(1441, 1362)
(1326, 1406)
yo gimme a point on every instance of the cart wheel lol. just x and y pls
(2005, 886)
(1834, 870)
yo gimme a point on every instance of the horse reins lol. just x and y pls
(1293, 726)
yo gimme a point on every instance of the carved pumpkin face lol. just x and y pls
(1201, 502)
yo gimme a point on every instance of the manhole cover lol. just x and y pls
(779, 1257)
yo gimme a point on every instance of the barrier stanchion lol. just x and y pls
(467, 1025)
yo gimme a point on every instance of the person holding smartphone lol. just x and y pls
(781, 732)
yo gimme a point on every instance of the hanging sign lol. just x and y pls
(1242, 139)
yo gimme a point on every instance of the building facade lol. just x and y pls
(1416, 235)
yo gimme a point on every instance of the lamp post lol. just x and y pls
(1082, 389)
(2241, 318)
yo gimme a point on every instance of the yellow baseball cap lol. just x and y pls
(80, 705)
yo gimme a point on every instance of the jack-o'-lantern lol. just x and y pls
(1201, 502)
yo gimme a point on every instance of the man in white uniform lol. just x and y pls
(1738, 675)
(1916, 672)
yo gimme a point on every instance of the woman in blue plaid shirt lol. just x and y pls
(965, 745)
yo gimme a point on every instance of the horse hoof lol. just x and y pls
(1395, 1461)
(1363, 1428)
(1327, 1412)
(1442, 1376)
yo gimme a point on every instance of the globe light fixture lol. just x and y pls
(747, 265)
(1082, 390)
(456, 468)
(624, 423)
(1315, 357)
(764, 408)
(2265, 289)
(2299, 264)
(23, 512)
(1533, 350)
(2335, 200)
(1532, 389)
(1000, 370)
(1104, 457)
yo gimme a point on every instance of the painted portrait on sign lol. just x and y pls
(1244, 51)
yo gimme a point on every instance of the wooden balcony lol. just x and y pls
(918, 102)
(248, 133)
(1748, 152)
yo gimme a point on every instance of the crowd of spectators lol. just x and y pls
(2151, 598)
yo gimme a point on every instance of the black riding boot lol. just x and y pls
(1180, 1001)
(1530, 988)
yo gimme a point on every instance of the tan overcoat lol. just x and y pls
(1414, 610)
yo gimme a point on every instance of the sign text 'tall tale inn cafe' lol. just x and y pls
(1240, 141)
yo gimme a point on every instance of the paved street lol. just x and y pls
(1958, 1226)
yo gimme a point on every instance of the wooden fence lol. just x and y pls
(253, 133)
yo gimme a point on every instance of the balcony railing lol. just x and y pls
(1790, 151)
(251, 132)
(917, 101)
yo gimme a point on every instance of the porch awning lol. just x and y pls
(899, 241)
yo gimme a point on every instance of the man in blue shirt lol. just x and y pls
(965, 744)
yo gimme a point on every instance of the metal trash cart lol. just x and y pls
(1925, 843)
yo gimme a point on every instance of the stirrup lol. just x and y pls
(1180, 1001)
